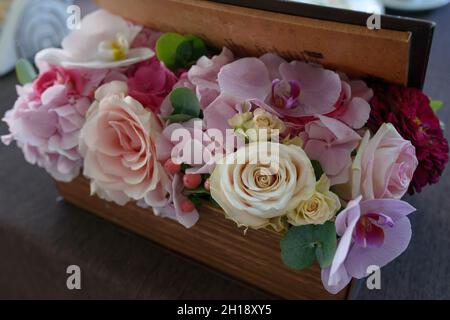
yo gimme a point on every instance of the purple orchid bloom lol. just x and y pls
(372, 232)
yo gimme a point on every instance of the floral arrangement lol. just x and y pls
(276, 144)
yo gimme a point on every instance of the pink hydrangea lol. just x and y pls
(331, 142)
(173, 209)
(150, 82)
(47, 117)
(192, 144)
(202, 78)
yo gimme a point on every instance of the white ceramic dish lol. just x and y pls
(415, 5)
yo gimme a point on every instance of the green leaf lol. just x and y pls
(436, 105)
(318, 171)
(198, 191)
(198, 47)
(166, 48)
(177, 118)
(184, 54)
(25, 71)
(177, 51)
(326, 248)
(302, 245)
(185, 105)
(184, 167)
(196, 200)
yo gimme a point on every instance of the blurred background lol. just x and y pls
(40, 237)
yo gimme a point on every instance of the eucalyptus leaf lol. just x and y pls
(184, 167)
(166, 48)
(198, 191)
(326, 248)
(185, 102)
(177, 51)
(302, 245)
(25, 71)
(318, 171)
(198, 47)
(177, 118)
(184, 54)
(196, 200)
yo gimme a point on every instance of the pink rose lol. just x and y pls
(331, 142)
(383, 167)
(118, 146)
(149, 83)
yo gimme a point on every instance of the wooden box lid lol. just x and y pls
(337, 39)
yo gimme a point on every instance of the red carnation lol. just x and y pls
(408, 109)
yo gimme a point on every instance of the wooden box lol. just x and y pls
(397, 53)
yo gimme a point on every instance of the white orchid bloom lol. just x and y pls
(103, 41)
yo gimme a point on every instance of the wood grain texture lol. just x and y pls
(214, 241)
(352, 49)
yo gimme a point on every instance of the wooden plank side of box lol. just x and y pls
(253, 258)
(353, 49)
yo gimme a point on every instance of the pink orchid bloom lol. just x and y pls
(372, 232)
(295, 91)
(331, 142)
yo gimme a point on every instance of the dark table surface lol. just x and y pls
(40, 235)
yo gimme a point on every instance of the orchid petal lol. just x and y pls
(247, 78)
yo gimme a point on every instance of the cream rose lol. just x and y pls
(118, 146)
(250, 125)
(254, 192)
(383, 167)
(318, 209)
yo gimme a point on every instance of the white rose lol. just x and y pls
(253, 194)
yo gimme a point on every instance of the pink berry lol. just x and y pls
(172, 167)
(187, 206)
(207, 185)
(192, 181)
